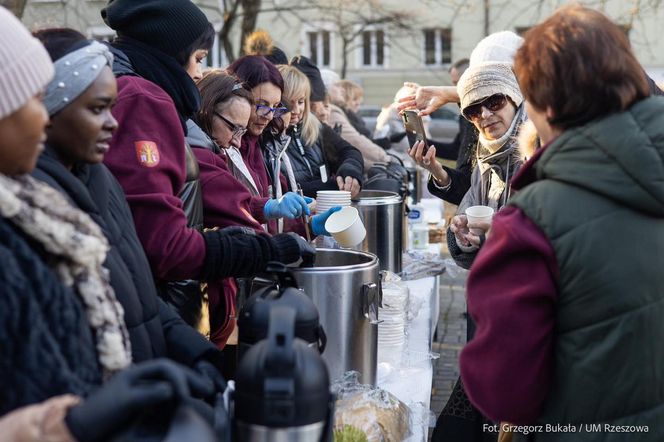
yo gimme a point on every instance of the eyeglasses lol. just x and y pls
(264, 111)
(237, 130)
(494, 103)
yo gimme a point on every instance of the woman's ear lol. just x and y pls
(549, 113)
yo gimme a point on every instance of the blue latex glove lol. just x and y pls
(291, 205)
(318, 221)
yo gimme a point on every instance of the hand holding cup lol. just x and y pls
(459, 226)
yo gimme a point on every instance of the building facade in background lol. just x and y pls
(383, 56)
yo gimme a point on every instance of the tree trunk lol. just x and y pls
(15, 6)
(250, 8)
(224, 33)
(344, 59)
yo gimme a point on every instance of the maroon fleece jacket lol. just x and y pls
(147, 157)
(226, 201)
(512, 292)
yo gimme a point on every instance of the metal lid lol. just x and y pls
(377, 198)
(338, 260)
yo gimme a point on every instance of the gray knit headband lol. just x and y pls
(74, 73)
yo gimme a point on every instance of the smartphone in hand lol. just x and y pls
(413, 124)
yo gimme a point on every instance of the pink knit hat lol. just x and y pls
(25, 67)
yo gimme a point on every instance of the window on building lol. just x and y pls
(320, 47)
(437, 46)
(373, 48)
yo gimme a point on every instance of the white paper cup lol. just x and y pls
(479, 214)
(346, 227)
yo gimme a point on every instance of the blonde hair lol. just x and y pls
(258, 42)
(351, 90)
(296, 85)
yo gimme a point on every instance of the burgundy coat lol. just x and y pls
(147, 157)
(226, 201)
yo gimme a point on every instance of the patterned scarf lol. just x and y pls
(498, 162)
(76, 249)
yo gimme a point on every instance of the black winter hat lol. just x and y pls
(309, 69)
(277, 56)
(168, 25)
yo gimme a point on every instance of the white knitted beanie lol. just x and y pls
(329, 77)
(25, 67)
(497, 47)
(486, 79)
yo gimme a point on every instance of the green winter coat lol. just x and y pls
(599, 199)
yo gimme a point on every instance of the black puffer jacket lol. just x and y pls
(460, 177)
(338, 156)
(46, 344)
(154, 328)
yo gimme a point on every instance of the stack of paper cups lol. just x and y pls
(326, 199)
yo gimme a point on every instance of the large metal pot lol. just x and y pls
(383, 216)
(345, 286)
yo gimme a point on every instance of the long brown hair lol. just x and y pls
(579, 64)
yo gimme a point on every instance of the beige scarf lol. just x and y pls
(77, 249)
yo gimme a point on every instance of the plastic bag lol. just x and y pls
(452, 269)
(418, 264)
(373, 411)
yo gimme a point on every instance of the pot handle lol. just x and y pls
(371, 300)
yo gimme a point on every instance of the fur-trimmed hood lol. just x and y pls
(527, 140)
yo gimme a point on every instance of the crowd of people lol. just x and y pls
(137, 190)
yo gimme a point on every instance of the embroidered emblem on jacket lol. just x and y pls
(147, 153)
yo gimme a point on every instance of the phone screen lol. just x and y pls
(413, 124)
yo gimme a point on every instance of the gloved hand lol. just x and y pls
(293, 250)
(110, 408)
(291, 205)
(318, 221)
(209, 371)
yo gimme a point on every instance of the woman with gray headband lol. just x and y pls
(79, 101)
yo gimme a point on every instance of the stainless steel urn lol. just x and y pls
(345, 286)
(383, 215)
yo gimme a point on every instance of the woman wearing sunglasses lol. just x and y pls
(567, 293)
(491, 100)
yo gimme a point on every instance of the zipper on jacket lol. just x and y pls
(301, 149)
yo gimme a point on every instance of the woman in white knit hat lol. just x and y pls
(62, 329)
(491, 100)
(447, 184)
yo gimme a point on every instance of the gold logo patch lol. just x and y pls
(147, 153)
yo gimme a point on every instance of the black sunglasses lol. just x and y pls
(237, 130)
(494, 103)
